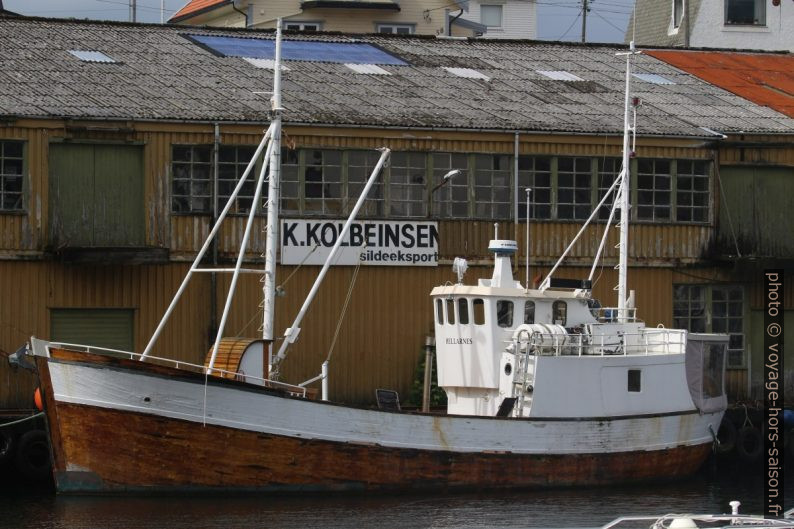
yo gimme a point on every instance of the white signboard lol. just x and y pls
(378, 243)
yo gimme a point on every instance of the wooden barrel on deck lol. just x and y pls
(240, 359)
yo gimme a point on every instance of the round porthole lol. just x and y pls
(508, 369)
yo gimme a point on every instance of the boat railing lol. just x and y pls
(653, 341)
(709, 520)
(185, 366)
(612, 315)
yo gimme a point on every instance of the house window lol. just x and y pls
(692, 191)
(713, 308)
(573, 188)
(492, 186)
(302, 26)
(407, 184)
(451, 200)
(534, 172)
(678, 12)
(402, 29)
(191, 190)
(359, 168)
(11, 175)
(232, 161)
(654, 186)
(745, 12)
(322, 185)
(491, 15)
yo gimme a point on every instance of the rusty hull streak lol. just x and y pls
(161, 454)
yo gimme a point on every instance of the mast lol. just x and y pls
(624, 196)
(269, 289)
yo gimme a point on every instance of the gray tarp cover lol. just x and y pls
(705, 371)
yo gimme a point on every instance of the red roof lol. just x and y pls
(763, 78)
(196, 6)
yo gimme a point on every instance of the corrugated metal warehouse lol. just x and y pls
(117, 142)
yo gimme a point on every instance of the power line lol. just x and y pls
(570, 27)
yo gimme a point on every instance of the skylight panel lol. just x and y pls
(91, 56)
(370, 69)
(297, 50)
(268, 64)
(559, 75)
(468, 73)
(652, 78)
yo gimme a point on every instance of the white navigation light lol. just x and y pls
(459, 267)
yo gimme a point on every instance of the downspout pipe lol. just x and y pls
(245, 15)
(452, 21)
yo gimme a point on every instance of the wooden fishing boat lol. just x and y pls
(545, 389)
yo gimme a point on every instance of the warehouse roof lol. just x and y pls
(107, 70)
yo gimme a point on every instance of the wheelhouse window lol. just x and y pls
(504, 313)
(191, 184)
(559, 311)
(745, 12)
(463, 311)
(529, 312)
(573, 188)
(478, 308)
(492, 186)
(402, 29)
(440, 312)
(11, 175)
(232, 161)
(451, 311)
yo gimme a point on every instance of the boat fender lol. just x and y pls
(37, 399)
(6, 445)
(726, 436)
(33, 456)
(749, 444)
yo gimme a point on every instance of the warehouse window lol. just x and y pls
(359, 168)
(608, 172)
(407, 184)
(492, 186)
(232, 161)
(191, 190)
(745, 12)
(692, 191)
(574, 201)
(451, 199)
(654, 187)
(534, 172)
(713, 308)
(290, 184)
(323, 182)
(11, 159)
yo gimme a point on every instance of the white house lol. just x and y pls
(505, 19)
(732, 24)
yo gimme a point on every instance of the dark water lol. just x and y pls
(707, 492)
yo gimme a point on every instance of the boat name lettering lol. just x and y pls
(459, 341)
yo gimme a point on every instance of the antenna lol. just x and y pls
(528, 190)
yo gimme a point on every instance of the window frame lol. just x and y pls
(495, 8)
(191, 179)
(21, 201)
(395, 27)
(301, 25)
(222, 197)
(678, 13)
(756, 4)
